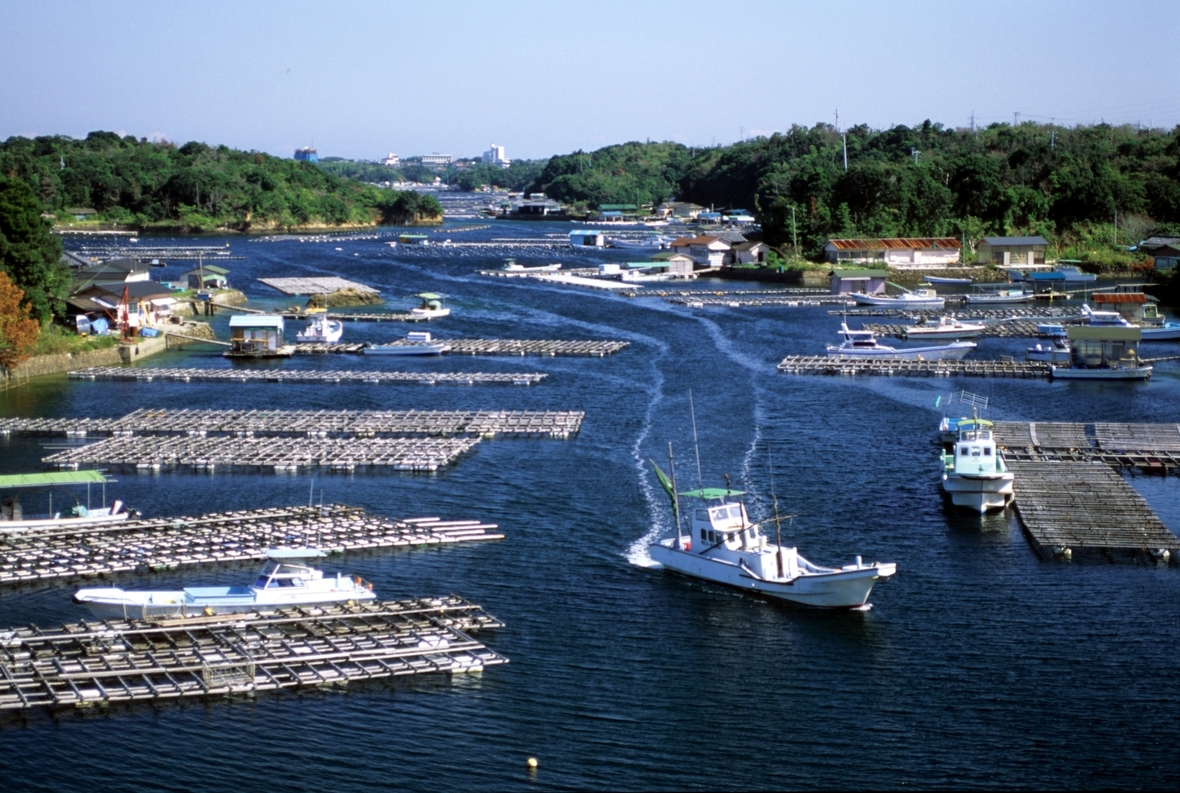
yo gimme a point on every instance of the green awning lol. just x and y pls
(52, 478)
(710, 493)
(429, 296)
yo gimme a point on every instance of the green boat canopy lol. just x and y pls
(429, 296)
(52, 478)
(710, 493)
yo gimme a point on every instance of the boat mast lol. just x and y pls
(696, 443)
(675, 499)
(778, 524)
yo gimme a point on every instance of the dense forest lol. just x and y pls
(195, 187)
(1068, 184)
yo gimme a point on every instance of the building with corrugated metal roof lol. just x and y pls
(1011, 251)
(894, 251)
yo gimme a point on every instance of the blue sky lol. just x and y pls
(360, 79)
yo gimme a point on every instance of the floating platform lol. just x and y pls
(745, 301)
(265, 454)
(158, 544)
(307, 423)
(238, 375)
(1005, 329)
(1085, 511)
(322, 285)
(591, 347)
(103, 663)
(1010, 313)
(1152, 448)
(896, 367)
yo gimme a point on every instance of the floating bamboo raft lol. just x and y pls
(147, 375)
(894, 367)
(321, 285)
(101, 663)
(167, 543)
(1010, 313)
(1000, 329)
(741, 301)
(1153, 448)
(592, 347)
(307, 423)
(1084, 510)
(265, 454)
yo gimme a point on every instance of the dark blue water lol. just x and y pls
(979, 665)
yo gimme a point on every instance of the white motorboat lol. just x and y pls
(917, 299)
(284, 581)
(321, 330)
(431, 307)
(944, 328)
(1106, 319)
(940, 281)
(641, 243)
(863, 344)
(414, 344)
(1057, 352)
(14, 518)
(1169, 331)
(1000, 297)
(973, 471)
(724, 547)
(512, 266)
(1115, 372)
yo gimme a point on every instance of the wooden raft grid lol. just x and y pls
(183, 375)
(895, 367)
(1058, 315)
(107, 662)
(322, 285)
(306, 423)
(169, 543)
(1022, 328)
(1150, 447)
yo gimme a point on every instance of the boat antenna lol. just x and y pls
(675, 498)
(696, 443)
(778, 523)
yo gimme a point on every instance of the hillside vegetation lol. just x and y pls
(1064, 183)
(195, 187)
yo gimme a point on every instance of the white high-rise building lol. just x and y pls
(392, 160)
(495, 156)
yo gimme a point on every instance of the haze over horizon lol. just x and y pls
(363, 79)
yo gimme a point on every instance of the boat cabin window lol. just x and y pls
(702, 514)
(987, 452)
(704, 535)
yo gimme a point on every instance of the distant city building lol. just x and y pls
(436, 159)
(307, 155)
(392, 160)
(495, 156)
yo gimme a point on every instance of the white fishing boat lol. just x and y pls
(14, 517)
(1169, 331)
(1057, 352)
(320, 330)
(641, 243)
(414, 344)
(999, 297)
(973, 471)
(1105, 319)
(940, 281)
(863, 344)
(1103, 352)
(917, 299)
(431, 307)
(944, 328)
(284, 581)
(512, 266)
(725, 547)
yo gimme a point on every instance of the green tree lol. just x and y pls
(29, 251)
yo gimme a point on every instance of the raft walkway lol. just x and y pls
(898, 367)
(744, 301)
(183, 375)
(306, 423)
(1153, 448)
(320, 285)
(105, 662)
(1011, 313)
(1004, 329)
(168, 543)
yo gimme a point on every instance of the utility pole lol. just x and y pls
(914, 153)
(844, 137)
(972, 122)
(1015, 119)
(794, 232)
(837, 119)
(1116, 228)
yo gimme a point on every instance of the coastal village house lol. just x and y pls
(679, 210)
(214, 277)
(895, 251)
(678, 263)
(1164, 250)
(707, 249)
(255, 333)
(148, 303)
(1011, 251)
(535, 206)
(750, 252)
(858, 281)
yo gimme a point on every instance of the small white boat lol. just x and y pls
(1052, 330)
(939, 281)
(918, 298)
(414, 344)
(1169, 331)
(945, 328)
(644, 243)
(1106, 319)
(724, 547)
(1057, 352)
(512, 266)
(1000, 297)
(863, 344)
(973, 471)
(14, 518)
(1114, 372)
(321, 330)
(283, 582)
(431, 307)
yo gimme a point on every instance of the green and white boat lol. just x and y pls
(14, 517)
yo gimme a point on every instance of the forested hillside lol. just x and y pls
(926, 180)
(196, 187)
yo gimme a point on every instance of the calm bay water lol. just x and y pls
(978, 666)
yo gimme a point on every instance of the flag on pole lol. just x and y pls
(665, 481)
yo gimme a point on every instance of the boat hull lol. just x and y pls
(1169, 332)
(1129, 373)
(933, 279)
(118, 604)
(61, 523)
(967, 332)
(407, 349)
(946, 353)
(430, 313)
(998, 300)
(979, 493)
(897, 302)
(839, 589)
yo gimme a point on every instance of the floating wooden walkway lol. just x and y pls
(893, 367)
(183, 375)
(168, 543)
(322, 285)
(307, 423)
(267, 454)
(1152, 448)
(309, 348)
(1000, 328)
(102, 663)
(1011, 313)
(743, 301)
(591, 347)
(1085, 511)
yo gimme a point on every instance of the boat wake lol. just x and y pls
(637, 553)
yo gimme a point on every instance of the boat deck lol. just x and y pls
(104, 662)
(238, 375)
(172, 542)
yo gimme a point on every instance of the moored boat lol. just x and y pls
(431, 307)
(944, 328)
(284, 581)
(14, 518)
(1169, 331)
(320, 330)
(1057, 352)
(973, 471)
(1103, 352)
(863, 344)
(940, 281)
(725, 547)
(918, 298)
(414, 344)
(1000, 297)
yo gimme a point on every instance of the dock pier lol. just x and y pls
(242, 375)
(898, 367)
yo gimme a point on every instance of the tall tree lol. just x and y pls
(18, 332)
(29, 251)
